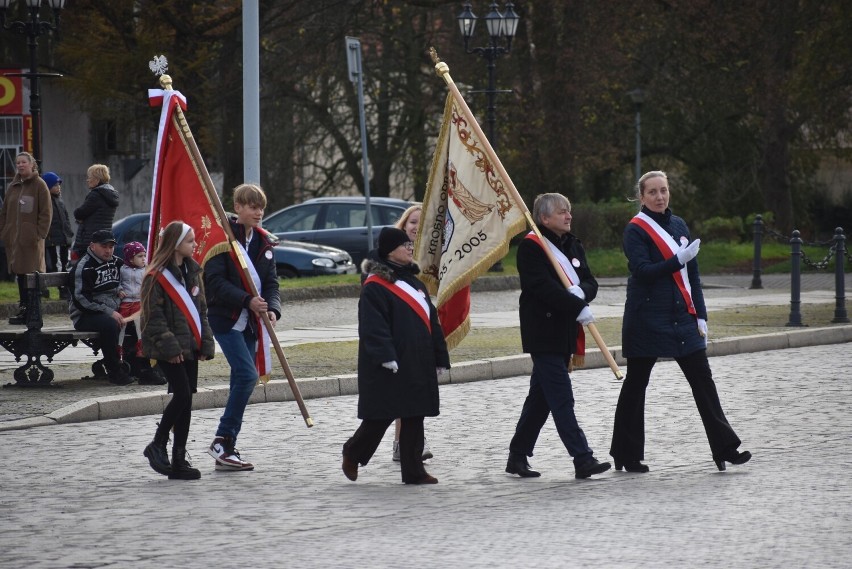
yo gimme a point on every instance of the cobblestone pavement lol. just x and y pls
(82, 495)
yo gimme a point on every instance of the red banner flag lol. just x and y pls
(178, 192)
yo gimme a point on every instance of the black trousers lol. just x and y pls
(108, 328)
(363, 444)
(628, 436)
(178, 412)
(56, 260)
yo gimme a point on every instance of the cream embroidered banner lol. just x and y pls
(468, 219)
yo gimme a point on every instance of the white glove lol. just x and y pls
(440, 371)
(686, 253)
(393, 366)
(702, 329)
(585, 317)
(577, 291)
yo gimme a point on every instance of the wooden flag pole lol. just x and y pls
(213, 197)
(443, 71)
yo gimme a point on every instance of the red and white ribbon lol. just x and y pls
(180, 296)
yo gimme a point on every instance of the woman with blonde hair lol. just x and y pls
(24, 224)
(175, 332)
(98, 209)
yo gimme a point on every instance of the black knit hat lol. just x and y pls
(389, 239)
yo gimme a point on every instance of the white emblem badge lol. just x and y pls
(195, 290)
(269, 254)
(576, 263)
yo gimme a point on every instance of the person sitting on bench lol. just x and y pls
(94, 282)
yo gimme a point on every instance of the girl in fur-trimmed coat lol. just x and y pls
(400, 355)
(176, 333)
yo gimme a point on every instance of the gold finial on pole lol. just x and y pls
(166, 82)
(441, 68)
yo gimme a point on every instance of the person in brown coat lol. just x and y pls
(24, 223)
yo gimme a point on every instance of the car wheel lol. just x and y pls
(286, 272)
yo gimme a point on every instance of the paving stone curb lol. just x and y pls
(119, 406)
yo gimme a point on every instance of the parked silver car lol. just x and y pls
(337, 221)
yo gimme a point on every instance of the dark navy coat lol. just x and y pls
(548, 311)
(656, 321)
(389, 330)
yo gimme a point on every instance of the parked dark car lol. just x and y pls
(292, 259)
(338, 222)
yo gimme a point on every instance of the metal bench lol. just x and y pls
(35, 342)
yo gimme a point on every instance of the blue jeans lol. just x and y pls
(550, 392)
(239, 350)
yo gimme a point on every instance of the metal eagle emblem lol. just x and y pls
(159, 65)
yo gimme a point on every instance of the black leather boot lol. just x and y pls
(21, 316)
(181, 468)
(517, 464)
(158, 457)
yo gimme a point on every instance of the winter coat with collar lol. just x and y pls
(548, 311)
(226, 296)
(94, 286)
(97, 212)
(60, 225)
(389, 330)
(25, 222)
(165, 330)
(657, 322)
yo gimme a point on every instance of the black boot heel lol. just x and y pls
(734, 457)
(632, 466)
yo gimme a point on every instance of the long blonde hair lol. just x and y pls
(403, 219)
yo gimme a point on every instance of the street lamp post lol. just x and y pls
(638, 97)
(33, 28)
(501, 26)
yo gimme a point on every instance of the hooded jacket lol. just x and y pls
(97, 212)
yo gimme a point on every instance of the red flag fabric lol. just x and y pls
(178, 192)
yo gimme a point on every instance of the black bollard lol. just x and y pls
(795, 281)
(839, 278)
(758, 233)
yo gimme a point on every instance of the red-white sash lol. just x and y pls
(179, 295)
(407, 293)
(263, 354)
(668, 247)
(573, 278)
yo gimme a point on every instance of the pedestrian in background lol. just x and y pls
(60, 236)
(551, 320)
(24, 224)
(97, 211)
(665, 316)
(401, 352)
(176, 333)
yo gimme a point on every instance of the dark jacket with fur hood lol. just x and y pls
(165, 330)
(390, 330)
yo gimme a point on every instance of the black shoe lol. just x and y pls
(120, 377)
(181, 468)
(20, 317)
(149, 377)
(591, 467)
(631, 466)
(519, 465)
(734, 457)
(158, 457)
